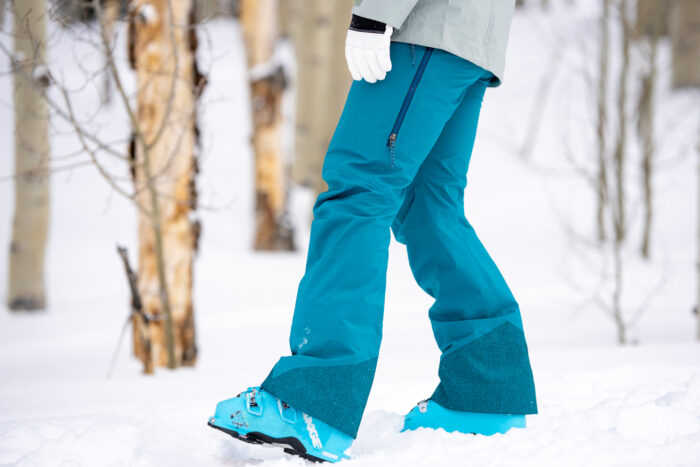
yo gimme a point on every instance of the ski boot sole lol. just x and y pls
(290, 445)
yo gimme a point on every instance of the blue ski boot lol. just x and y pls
(430, 414)
(256, 416)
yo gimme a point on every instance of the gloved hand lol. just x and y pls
(367, 49)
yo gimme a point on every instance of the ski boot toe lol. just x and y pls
(430, 414)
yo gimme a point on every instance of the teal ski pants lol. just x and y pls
(398, 161)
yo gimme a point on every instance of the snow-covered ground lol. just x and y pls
(599, 404)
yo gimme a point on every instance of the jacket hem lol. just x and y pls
(468, 53)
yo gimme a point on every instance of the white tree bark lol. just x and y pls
(323, 82)
(259, 19)
(26, 289)
(162, 51)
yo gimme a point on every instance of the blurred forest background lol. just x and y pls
(191, 134)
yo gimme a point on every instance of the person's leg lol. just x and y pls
(476, 321)
(337, 326)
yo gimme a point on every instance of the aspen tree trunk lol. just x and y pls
(267, 82)
(646, 131)
(685, 34)
(290, 12)
(602, 184)
(323, 82)
(652, 18)
(338, 82)
(31, 216)
(162, 47)
(619, 209)
(651, 24)
(304, 32)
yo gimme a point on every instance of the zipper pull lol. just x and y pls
(392, 145)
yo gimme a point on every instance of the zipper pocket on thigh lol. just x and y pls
(391, 143)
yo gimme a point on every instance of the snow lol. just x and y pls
(600, 404)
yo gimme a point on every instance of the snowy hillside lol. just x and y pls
(600, 405)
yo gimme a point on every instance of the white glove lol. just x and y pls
(367, 54)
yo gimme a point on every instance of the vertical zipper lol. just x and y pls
(391, 143)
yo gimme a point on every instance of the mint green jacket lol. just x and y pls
(476, 30)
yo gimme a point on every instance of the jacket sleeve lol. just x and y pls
(393, 12)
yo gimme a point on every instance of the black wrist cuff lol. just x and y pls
(358, 23)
